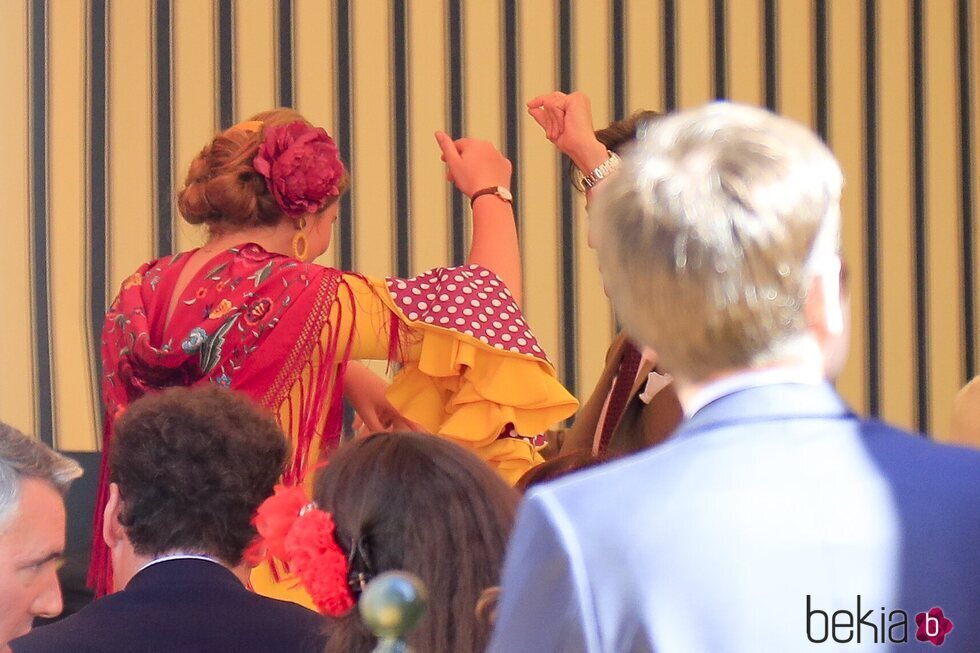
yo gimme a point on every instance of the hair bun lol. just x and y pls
(222, 188)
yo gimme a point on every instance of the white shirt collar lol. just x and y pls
(733, 383)
(178, 556)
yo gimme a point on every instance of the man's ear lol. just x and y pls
(825, 302)
(112, 530)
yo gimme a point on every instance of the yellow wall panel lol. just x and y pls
(194, 98)
(694, 53)
(255, 57)
(73, 426)
(744, 61)
(130, 129)
(539, 199)
(898, 338)
(644, 56)
(847, 142)
(16, 387)
(428, 87)
(593, 66)
(942, 211)
(482, 63)
(314, 78)
(372, 138)
(314, 61)
(795, 55)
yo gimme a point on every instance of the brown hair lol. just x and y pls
(192, 466)
(222, 188)
(617, 134)
(555, 468)
(422, 504)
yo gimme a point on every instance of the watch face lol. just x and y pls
(505, 193)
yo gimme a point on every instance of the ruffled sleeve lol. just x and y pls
(471, 369)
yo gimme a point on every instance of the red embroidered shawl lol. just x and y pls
(248, 320)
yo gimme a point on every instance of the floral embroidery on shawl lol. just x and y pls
(249, 320)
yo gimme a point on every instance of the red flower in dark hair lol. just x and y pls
(301, 165)
(301, 535)
(320, 564)
(276, 516)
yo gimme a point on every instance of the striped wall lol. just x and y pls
(107, 101)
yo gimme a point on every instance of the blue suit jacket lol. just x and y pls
(769, 511)
(181, 606)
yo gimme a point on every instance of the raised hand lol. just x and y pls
(567, 122)
(473, 164)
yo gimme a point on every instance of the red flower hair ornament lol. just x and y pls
(301, 165)
(298, 533)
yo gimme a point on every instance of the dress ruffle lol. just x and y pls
(492, 401)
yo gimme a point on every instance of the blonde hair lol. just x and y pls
(709, 235)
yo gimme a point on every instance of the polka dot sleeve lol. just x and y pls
(471, 369)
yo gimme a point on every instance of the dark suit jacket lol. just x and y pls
(770, 512)
(641, 425)
(181, 606)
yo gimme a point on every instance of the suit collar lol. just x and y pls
(183, 571)
(780, 401)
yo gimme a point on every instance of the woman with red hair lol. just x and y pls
(250, 311)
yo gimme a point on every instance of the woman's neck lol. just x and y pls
(277, 239)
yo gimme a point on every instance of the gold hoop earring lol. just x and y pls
(300, 244)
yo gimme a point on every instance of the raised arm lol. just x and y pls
(567, 122)
(475, 166)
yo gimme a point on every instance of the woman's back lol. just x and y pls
(248, 312)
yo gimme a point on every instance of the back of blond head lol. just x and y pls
(709, 236)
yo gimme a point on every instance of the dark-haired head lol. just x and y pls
(422, 504)
(192, 466)
(224, 191)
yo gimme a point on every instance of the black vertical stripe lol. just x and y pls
(617, 40)
(402, 215)
(670, 54)
(163, 124)
(919, 217)
(770, 56)
(569, 330)
(454, 54)
(284, 52)
(514, 105)
(620, 111)
(345, 126)
(820, 64)
(720, 50)
(344, 57)
(226, 64)
(871, 205)
(966, 124)
(40, 305)
(97, 200)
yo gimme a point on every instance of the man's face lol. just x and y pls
(31, 545)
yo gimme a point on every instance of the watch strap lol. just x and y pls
(602, 171)
(492, 190)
